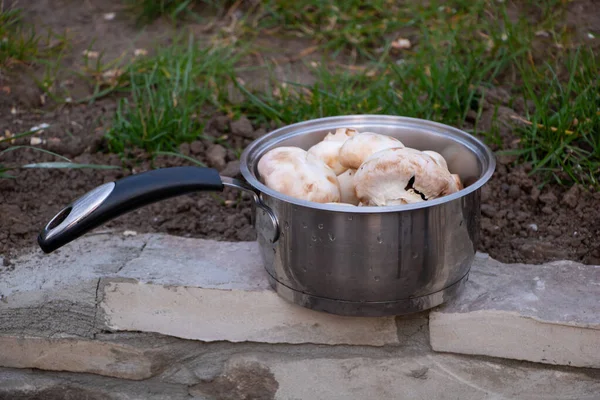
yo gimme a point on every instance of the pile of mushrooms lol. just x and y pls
(358, 169)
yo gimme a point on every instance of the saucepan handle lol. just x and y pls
(113, 199)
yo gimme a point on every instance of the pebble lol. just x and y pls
(571, 197)
(547, 210)
(242, 127)
(535, 194)
(184, 149)
(216, 156)
(485, 194)
(232, 169)
(488, 210)
(221, 123)
(129, 233)
(548, 198)
(514, 192)
(197, 147)
(533, 227)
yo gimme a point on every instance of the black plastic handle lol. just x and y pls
(112, 199)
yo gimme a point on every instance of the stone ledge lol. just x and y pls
(543, 313)
(188, 288)
(217, 291)
(325, 372)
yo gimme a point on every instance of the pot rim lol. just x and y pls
(256, 149)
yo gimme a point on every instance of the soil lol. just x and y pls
(521, 222)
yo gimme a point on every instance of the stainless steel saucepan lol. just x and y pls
(359, 261)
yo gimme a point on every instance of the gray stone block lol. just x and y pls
(544, 313)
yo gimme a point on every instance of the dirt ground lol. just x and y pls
(520, 223)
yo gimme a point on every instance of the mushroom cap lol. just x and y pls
(340, 135)
(401, 176)
(347, 190)
(294, 172)
(328, 151)
(359, 147)
(458, 182)
(437, 157)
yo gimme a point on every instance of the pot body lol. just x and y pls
(371, 264)
(373, 261)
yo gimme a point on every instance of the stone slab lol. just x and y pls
(28, 385)
(406, 376)
(77, 355)
(233, 315)
(543, 313)
(224, 370)
(55, 294)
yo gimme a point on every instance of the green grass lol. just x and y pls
(562, 138)
(336, 25)
(147, 11)
(459, 46)
(17, 45)
(21, 44)
(170, 95)
(437, 80)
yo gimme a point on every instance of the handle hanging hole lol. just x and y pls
(59, 218)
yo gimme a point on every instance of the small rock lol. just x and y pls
(185, 149)
(19, 229)
(242, 127)
(532, 227)
(216, 156)
(232, 169)
(571, 197)
(129, 233)
(221, 123)
(535, 194)
(231, 156)
(197, 147)
(246, 234)
(485, 194)
(547, 210)
(496, 95)
(548, 198)
(514, 192)
(506, 159)
(259, 132)
(488, 210)
(471, 116)
(521, 216)
(542, 250)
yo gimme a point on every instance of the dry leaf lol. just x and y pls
(140, 52)
(401, 44)
(90, 54)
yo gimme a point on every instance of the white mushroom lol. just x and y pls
(340, 135)
(437, 157)
(347, 191)
(359, 147)
(294, 172)
(328, 151)
(457, 181)
(401, 176)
